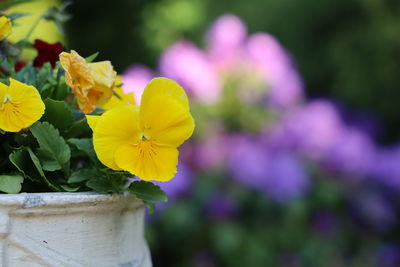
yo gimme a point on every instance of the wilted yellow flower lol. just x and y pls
(92, 83)
(21, 106)
(119, 98)
(143, 140)
(5, 27)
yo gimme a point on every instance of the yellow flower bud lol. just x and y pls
(92, 83)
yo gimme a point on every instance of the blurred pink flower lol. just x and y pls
(266, 54)
(190, 67)
(225, 39)
(212, 152)
(253, 63)
(135, 79)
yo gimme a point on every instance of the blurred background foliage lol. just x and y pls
(344, 49)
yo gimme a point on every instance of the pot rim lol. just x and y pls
(62, 198)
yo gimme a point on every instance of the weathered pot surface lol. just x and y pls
(72, 229)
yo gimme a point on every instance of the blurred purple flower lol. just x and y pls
(248, 161)
(311, 129)
(386, 167)
(178, 185)
(286, 177)
(203, 259)
(280, 174)
(135, 79)
(190, 67)
(374, 209)
(388, 255)
(325, 223)
(266, 54)
(352, 152)
(220, 207)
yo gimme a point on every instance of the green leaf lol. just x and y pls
(43, 74)
(79, 128)
(11, 184)
(70, 188)
(8, 4)
(36, 162)
(57, 113)
(61, 90)
(82, 175)
(28, 164)
(147, 191)
(21, 160)
(54, 152)
(91, 57)
(27, 74)
(108, 181)
(83, 144)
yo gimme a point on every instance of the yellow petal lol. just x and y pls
(103, 73)
(92, 121)
(3, 91)
(5, 27)
(21, 107)
(165, 121)
(104, 78)
(164, 87)
(148, 161)
(114, 128)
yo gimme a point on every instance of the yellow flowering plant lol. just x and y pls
(66, 124)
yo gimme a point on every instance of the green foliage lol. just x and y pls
(55, 110)
(147, 191)
(82, 175)
(91, 57)
(26, 163)
(53, 152)
(107, 181)
(10, 183)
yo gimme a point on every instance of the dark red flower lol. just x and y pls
(46, 53)
(19, 65)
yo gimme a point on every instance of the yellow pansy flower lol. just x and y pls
(92, 83)
(20, 106)
(5, 27)
(143, 139)
(119, 98)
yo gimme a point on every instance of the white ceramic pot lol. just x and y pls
(72, 229)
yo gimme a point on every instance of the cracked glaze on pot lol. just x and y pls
(72, 229)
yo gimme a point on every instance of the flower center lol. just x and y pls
(7, 105)
(6, 99)
(146, 149)
(143, 137)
